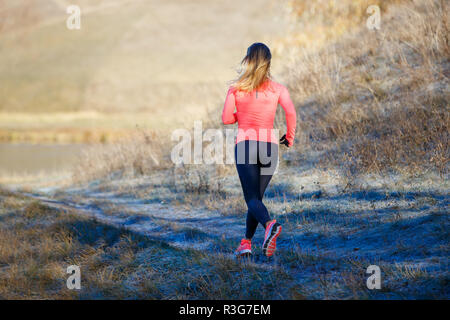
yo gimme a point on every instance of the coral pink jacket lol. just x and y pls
(255, 112)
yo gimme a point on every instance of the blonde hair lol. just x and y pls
(257, 68)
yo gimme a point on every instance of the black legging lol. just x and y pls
(256, 162)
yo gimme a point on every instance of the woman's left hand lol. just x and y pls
(284, 141)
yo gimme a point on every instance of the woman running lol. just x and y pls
(256, 97)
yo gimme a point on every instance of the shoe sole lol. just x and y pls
(245, 252)
(272, 239)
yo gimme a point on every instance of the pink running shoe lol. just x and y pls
(273, 230)
(245, 248)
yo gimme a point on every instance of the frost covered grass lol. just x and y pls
(332, 232)
(38, 243)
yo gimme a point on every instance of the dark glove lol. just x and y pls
(284, 141)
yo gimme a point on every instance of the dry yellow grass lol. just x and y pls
(315, 24)
(378, 100)
(369, 101)
(142, 153)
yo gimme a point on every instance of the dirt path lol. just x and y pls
(196, 229)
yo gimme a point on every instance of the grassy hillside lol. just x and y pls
(379, 100)
(367, 101)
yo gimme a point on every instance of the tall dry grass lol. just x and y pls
(368, 101)
(315, 23)
(378, 100)
(137, 154)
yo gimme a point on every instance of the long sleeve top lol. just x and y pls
(255, 112)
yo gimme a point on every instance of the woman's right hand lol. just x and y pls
(284, 141)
